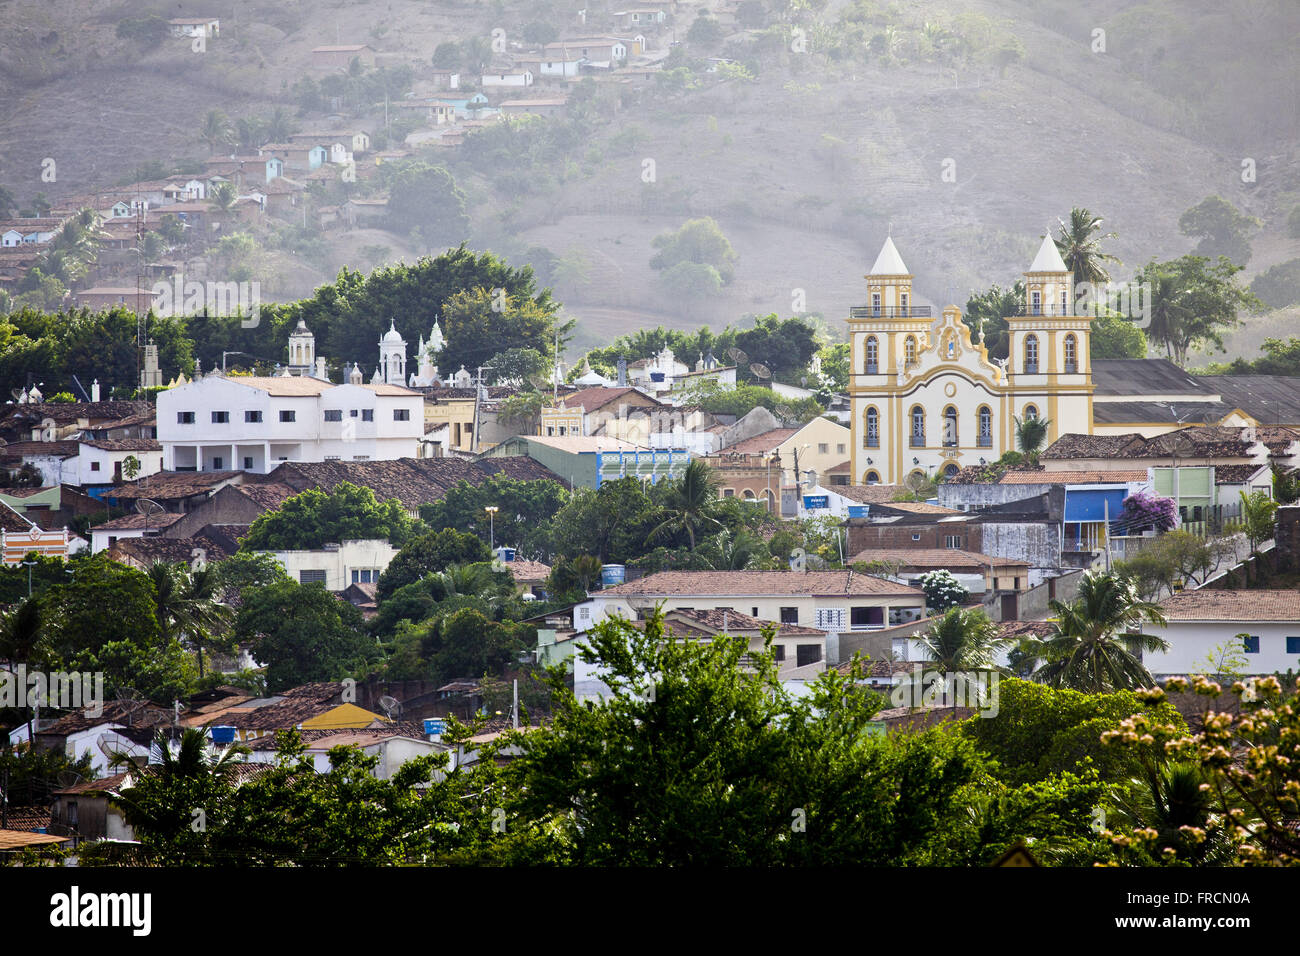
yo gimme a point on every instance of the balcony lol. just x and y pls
(889, 312)
(1048, 310)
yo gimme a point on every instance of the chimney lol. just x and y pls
(94, 390)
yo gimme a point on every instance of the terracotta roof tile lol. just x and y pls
(765, 442)
(1233, 606)
(133, 521)
(868, 494)
(937, 558)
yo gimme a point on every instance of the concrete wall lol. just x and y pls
(972, 497)
(1036, 543)
(1191, 642)
(1033, 603)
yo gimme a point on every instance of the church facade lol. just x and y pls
(926, 397)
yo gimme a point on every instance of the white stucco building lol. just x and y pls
(1199, 622)
(338, 565)
(252, 423)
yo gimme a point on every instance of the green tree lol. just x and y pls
(988, 312)
(315, 518)
(1079, 246)
(216, 131)
(525, 509)
(611, 523)
(479, 322)
(704, 32)
(468, 644)
(689, 502)
(430, 552)
(1030, 435)
(187, 606)
(1259, 517)
(963, 639)
(426, 197)
(699, 241)
(1093, 646)
(1222, 228)
(302, 633)
(1279, 286)
(1113, 337)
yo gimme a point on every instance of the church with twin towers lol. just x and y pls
(927, 398)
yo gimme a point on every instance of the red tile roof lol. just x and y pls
(937, 558)
(1282, 605)
(764, 442)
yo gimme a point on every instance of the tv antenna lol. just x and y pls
(760, 371)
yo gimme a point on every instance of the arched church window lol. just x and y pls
(909, 351)
(873, 478)
(918, 427)
(1031, 354)
(1071, 353)
(950, 427)
(873, 356)
(986, 427)
(872, 439)
(1031, 412)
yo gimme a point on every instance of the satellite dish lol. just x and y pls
(110, 745)
(539, 382)
(68, 778)
(149, 507)
(737, 356)
(760, 371)
(392, 706)
(527, 597)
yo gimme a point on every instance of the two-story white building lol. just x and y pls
(338, 565)
(252, 423)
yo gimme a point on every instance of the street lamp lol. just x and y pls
(29, 565)
(492, 533)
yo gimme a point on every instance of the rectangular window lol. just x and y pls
(807, 654)
(778, 652)
(367, 414)
(221, 418)
(1293, 645)
(401, 414)
(916, 537)
(823, 448)
(333, 414)
(184, 418)
(789, 615)
(94, 466)
(861, 618)
(248, 462)
(1251, 642)
(252, 416)
(310, 577)
(352, 414)
(840, 448)
(952, 541)
(288, 415)
(218, 464)
(753, 612)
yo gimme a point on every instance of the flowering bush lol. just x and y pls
(1142, 512)
(943, 590)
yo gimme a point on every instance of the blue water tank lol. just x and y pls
(223, 735)
(612, 574)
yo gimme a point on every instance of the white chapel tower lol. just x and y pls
(392, 356)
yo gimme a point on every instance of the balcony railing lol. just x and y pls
(950, 443)
(1049, 310)
(889, 312)
(1031, 368)
(917, 441)
(871, 368)
(1071, 368)
(986, 441)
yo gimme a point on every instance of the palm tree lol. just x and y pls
(186, 604)
(688, 503)
(962, 640)
(1167, 798)
(1030, 435)
(736, 552)
(20, 631)
(1170, 312)
(280, 126)
(1079, 247)
(224, 195)
(1093, 646)
(216, 131)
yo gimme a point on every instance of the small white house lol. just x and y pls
(1200, 622)
(516, 78)
(100, 461)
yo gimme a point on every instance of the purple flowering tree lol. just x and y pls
(1143, 512)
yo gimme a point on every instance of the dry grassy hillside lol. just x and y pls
(805, 168)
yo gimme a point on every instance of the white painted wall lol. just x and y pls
(1191, 642)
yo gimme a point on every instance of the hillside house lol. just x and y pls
(340, 56)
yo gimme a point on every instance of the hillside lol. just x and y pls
(806, 167)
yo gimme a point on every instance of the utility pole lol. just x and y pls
(478, 394)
